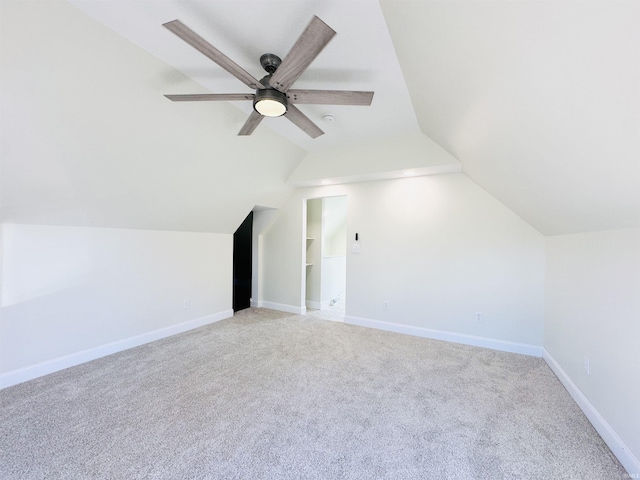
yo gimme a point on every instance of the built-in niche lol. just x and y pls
(326, 249)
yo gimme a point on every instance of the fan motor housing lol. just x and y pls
(270, 62)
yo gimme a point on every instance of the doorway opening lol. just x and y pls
(326, 257)
(242, 252)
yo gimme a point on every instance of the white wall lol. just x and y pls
(592, 309)
(262, 218)
(334, 226)
(334, 278)
(334, 248)
(375, 159)
(283, 258)
(70, 289)
(437, 248)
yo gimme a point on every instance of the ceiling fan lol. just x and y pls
(273, 96)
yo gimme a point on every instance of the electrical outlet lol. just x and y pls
(186, 304)
(385, 305)
(478, 316)
(587, 365)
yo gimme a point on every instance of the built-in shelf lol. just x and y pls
(309, 239)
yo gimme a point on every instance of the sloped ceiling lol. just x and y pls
(539, 101)
(359, 57)
(88, 139)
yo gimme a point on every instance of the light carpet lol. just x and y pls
(270, 395)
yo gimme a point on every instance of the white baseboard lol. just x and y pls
(24, 374)
(502, 345)
(313, 305)
(283, 307)
(628, 460)
(318, 305)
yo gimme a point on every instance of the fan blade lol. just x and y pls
(204, 47)
(210, 97)
(330, 97)
(301, 120)
(304, 51)
(250, 125)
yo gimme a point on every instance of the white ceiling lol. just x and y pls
(88, 139)
(359, 57)
(539, 100)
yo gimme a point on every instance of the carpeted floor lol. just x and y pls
(269, 395)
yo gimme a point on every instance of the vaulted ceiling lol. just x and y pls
(538, 101)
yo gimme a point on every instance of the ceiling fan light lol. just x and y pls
(270, 103)
(270, 108)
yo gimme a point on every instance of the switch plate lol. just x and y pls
(587, 365)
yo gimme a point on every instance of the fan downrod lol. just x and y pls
(270, 62)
